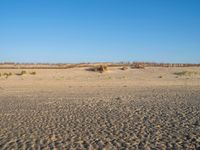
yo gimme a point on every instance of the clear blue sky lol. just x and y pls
(100, 30)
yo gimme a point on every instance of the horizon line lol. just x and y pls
(95, 62)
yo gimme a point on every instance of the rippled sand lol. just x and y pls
(98, 111)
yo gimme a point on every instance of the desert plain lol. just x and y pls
(137, 109)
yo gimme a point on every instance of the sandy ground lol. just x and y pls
(78, 109)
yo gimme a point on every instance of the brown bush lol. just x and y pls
(124, 68)
(6, 74)
(33, 73)
(21, 73)
(101, 68)
(187, 73)
(138, 66)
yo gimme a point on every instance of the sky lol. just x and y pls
(73, 31)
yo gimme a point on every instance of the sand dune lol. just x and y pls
(79, 109)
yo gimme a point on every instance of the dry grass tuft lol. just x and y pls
(187, 73)
(21, 73)
(101, 68)
(124, 68)
(138, 66)
(33, 73)
(5, 74)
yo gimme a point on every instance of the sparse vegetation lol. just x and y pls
(138, 66)
(8, 65)
(187, 73)
(5, 74)
(124, 68)
(160, 77)
(101, 68)
(21, 73)
(109, 78)
(32, 73)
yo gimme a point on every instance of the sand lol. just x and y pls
(78, 109)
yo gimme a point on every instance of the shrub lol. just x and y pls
(138, 66)
(21, 73)
(124, 68)
(101, 68)
(33, 73)
(6, 74)
(186, 73)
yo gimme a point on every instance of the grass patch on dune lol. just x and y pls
(187, 73)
